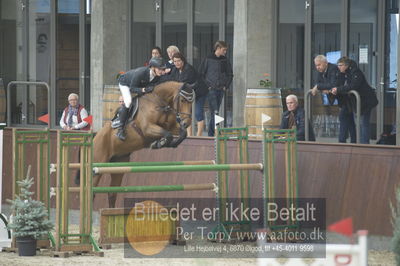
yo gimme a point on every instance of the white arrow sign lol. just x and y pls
(218, 119)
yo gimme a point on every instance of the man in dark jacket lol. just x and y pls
(294, 117)
(327, 75)
(216, 71)
(355, 80)
(140, 81)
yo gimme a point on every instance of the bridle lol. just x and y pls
(189, 97)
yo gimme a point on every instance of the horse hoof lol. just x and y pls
(154, 145)
(162, 142)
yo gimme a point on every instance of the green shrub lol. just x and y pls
(30, 216)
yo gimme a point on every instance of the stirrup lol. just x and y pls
(121, 134)
(116, 123)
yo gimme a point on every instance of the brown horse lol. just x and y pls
(165, 112)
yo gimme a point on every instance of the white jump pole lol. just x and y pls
(5, 240)
(2, 125)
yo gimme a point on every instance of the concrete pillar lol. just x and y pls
(109, 50)
(252, 53)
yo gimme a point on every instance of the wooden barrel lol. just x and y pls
(3, 102)
(262, 101)
(111, 95)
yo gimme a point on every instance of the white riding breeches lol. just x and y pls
(126, 94)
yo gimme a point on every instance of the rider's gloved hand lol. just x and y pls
(148, 89)
(139, 91)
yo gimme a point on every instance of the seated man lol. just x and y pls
(140, 81)
(294, 117)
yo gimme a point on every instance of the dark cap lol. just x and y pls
(157, 62)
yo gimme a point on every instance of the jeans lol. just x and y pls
(214, 102)
(365, 127)
(347, 125)
(199, 107)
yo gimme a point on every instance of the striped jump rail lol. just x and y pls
(188, 187)
(177, 168)
(53, 167)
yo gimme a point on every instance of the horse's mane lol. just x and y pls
(168, 85)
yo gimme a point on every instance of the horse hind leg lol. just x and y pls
(116, 180)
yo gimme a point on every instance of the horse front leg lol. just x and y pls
(164, 141)
(182, 137)
(163, 136)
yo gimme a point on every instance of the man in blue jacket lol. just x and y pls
(216, 72)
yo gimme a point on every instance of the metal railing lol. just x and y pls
(307, 110)
(37, 83)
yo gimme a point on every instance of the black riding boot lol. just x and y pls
(123, 116)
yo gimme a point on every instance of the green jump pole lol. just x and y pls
(154, 188)
(177, 168)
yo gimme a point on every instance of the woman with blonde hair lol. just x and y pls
(171, 50)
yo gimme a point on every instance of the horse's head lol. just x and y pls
(183, 105)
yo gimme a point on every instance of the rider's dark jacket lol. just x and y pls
(138, 78)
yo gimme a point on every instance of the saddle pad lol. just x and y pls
(131, 115)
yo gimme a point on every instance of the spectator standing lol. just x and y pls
(294, 117)
(216, 72)
(171, 50)
(354, 79)
(182, 72)
(156, 52)
(74, 114)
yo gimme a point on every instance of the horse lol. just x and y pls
(165, 112)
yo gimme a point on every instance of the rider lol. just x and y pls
(140, 81)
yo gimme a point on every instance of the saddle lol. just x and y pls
(131, 113)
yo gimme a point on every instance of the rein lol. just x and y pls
(188, 96)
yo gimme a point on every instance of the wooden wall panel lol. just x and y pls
(356, 180)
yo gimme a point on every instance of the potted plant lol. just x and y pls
(265, 82)
(30, 220)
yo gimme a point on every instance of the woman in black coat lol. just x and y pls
(182, 72)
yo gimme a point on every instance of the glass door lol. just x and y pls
(363, 44)
(174, 26)
(84, 52)
(291, 38)
(390, 78)
(143, 36)
(32, 56)
(326, 39)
